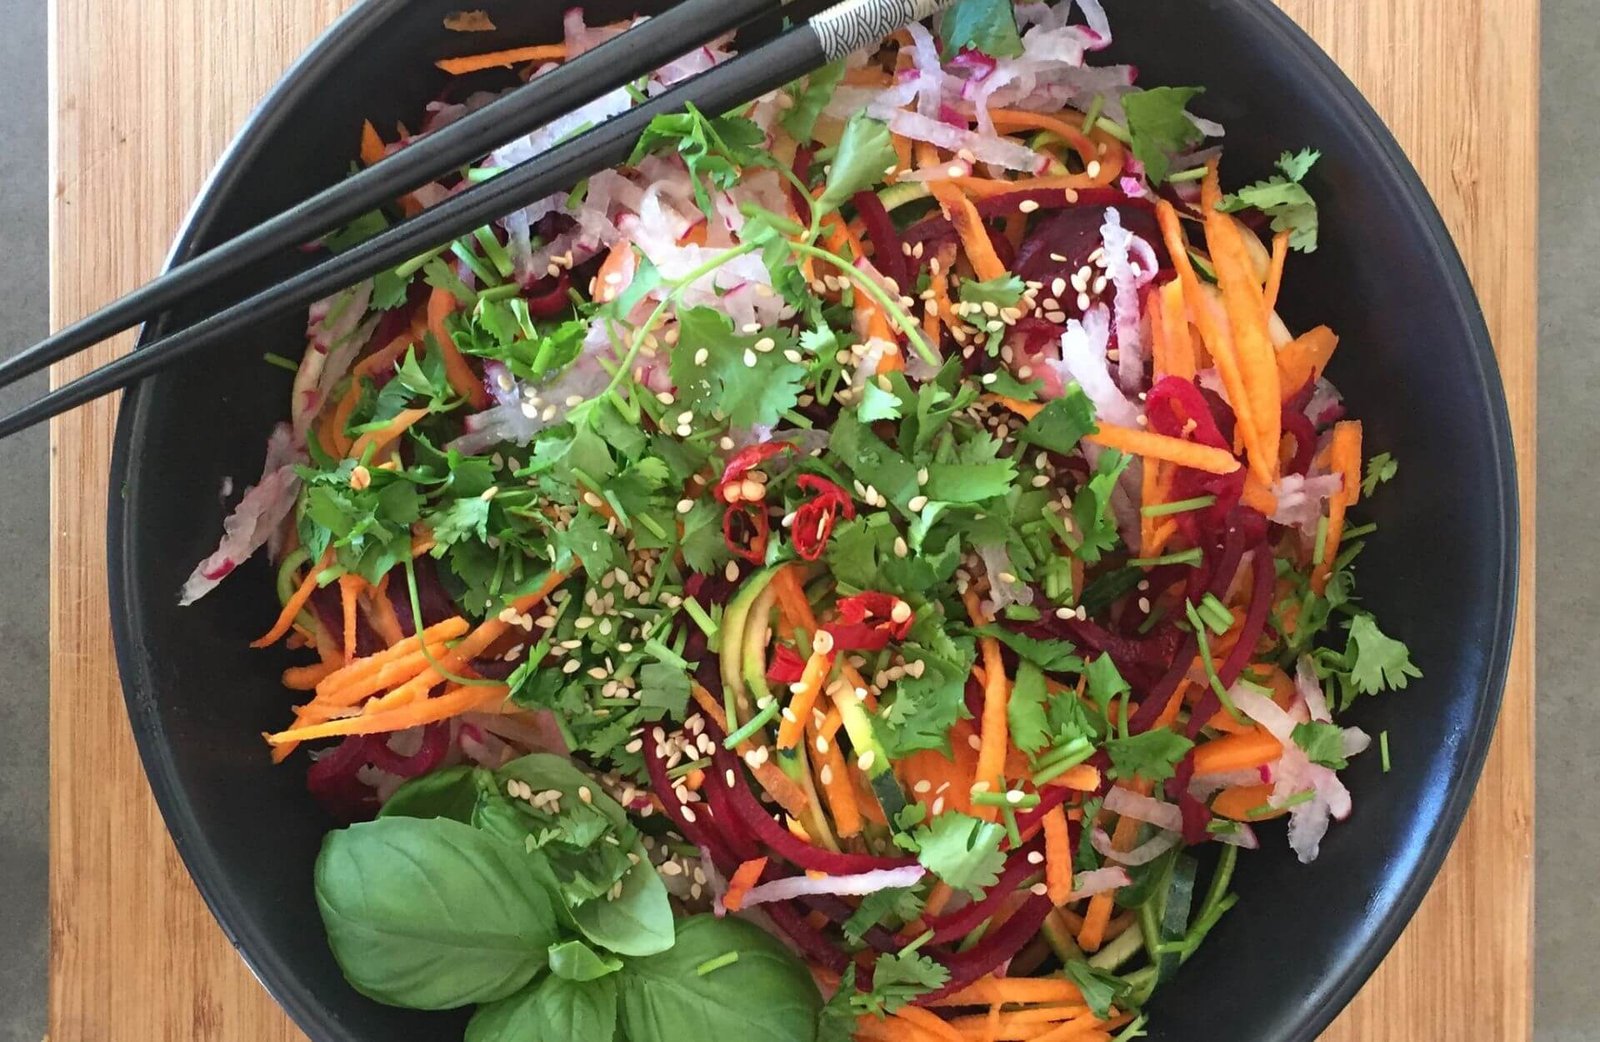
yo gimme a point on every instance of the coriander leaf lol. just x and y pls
(1100, 988)
(1378, 662)
(1283, 198)
(1105, 682)
(925, 707)
(897, 905)
(962, 850)
(864, 157)
(1322, 743)
(719, 371)
(663, 691)
(704, 549)
(1380, 468)
(1091, 509)
(1008, 386)
(460, 519)
(715, 150)
(356, 232)
(1002, 292)
(836, 1021)
(389, 291)
(801, 118)
(1062, 423)
(1159, 123)
(1025, 711)
(1052, 656)
(897, 979)
(989, 26)
(1152, 755)
(877, 404)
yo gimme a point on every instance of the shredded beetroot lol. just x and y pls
(886, 252)
(549, 296)
(814, 947)
(697, 831)
(838, 910)
(802, 173)
(958, 924)
(996, 947)
(435, 745)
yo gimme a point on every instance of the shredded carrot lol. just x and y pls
(305, 678)
(969, 226)
(457, 658)
(372, 148)
(1031, 1015)
(1216, 335)
(1159, 446)
(503, 59)
(1093, 934)
(1019, 990)
(609, 279)
(1057, 855)
(809, 688)
(1237, 752)
(834, 774)
(788, 582)
(1161, 536)
(932, 1023)
(744, 877)
(349, 587)
(1072, 134)
(449, 629)
(292, 606)
(1073, 1031)
(996, 696)
(332, 432)
(1083, 778)
(779, 786)
(457, 700)
(441, 305)
(1149, 495)
(1247, 321)
(378, 440)
(1237, 803)
(1027, 410)
(1175, 330)
(1344, 455)
(1302, 359)
(1280, 255)
(385, 356)
(382, 615)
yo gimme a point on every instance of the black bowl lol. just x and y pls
(1416, 367)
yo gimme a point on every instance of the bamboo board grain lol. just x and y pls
(144, 96)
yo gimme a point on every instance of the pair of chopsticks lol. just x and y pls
(824, 37)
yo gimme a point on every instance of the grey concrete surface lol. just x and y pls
(24, 800)
(1567, 904)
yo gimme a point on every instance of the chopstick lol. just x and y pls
(612, 64)
(824, 37)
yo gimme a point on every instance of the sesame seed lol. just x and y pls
(1015, 796)
(975, 742)
(751, 327)
(702, 356)
(1038, 889)
(822, 643)
(922, 787)
(572, 666)
(864, 761)
(826, 774)
(1058, 286)
(1027, 206)
(922, 476)
(900, 548)
(765, 344)
(916, 503)
(731, 572)
(1083, 302)
(685, 505)
(1093, 169)
(1035, 857)
(749, 358)
(1144, 605)
(938, 807)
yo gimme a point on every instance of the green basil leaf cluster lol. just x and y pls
(542, 908)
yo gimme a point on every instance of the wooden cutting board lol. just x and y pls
(145, 95)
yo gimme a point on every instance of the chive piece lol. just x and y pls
(1025, 800)
(684, 769)
(485, 274)
(505, 292)
(1217, 613)
(707, 624)
(713, 965)
(1182, 506)
(1193, 174)
(1304, 796)
(1210, 666)
(281, 362)
(1153, 619)
(1092, 115)
(1321, 547)
(1134, 1030)
(494, 251)
(480, 174)
(1383, 749)
(761, 719)
(1191, 557)
(1115, 129)
(416, 264)
(1013, 833)
(1360, 530)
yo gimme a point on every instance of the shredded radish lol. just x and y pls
(994, 150)
(1131, 264)
(791, 887)
(1241, 835)
(1130, 804)
(1083, 358)
(1300, 499)
(1308, 821)
(1099, 881)
(1142, 854)
(253, 521)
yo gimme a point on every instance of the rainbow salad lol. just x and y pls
(861, 570)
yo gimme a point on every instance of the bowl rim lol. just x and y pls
(343, 36)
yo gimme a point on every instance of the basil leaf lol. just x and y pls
(576, 961)
(766, 996)
(639, 922)
(431, 913)
(555, 1008)
(451, 793)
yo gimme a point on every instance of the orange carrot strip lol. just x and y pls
(1280, 255)
(1162, 534)
(1175, 329)
(449, 629)
(441, 305)
(1093, 934)
(349, 586)
(1073, 1031)
(779, 786)
(1217, 336)
(1014, 119)
(1237, 802)
(932, 1023)
(378, 440)
(454, 702)
(996, 696)
(1159, 446)
(1057, 856)
(1237, 752)
(834, 774)
(1247, 320)
(382, 615)
(304, 678)
(744, 877)
(1034, 1015)
(503, 59)
(384, 356)
(1083, 778)
(1149, 481)
(969, 226)
(798, 712)
(371, 144)
(1302, 359)
(296, 601)
(1344, 455)
(1019, 990)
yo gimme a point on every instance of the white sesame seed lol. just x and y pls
(702, 356)
(731, 572)
(864, 761)
(1093, 169)
(1038, 889)
(685, 505)
(826, 774)
(822, 643)
(1027, 206)
(1035, 857)
(751, 327)
(900, 547)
